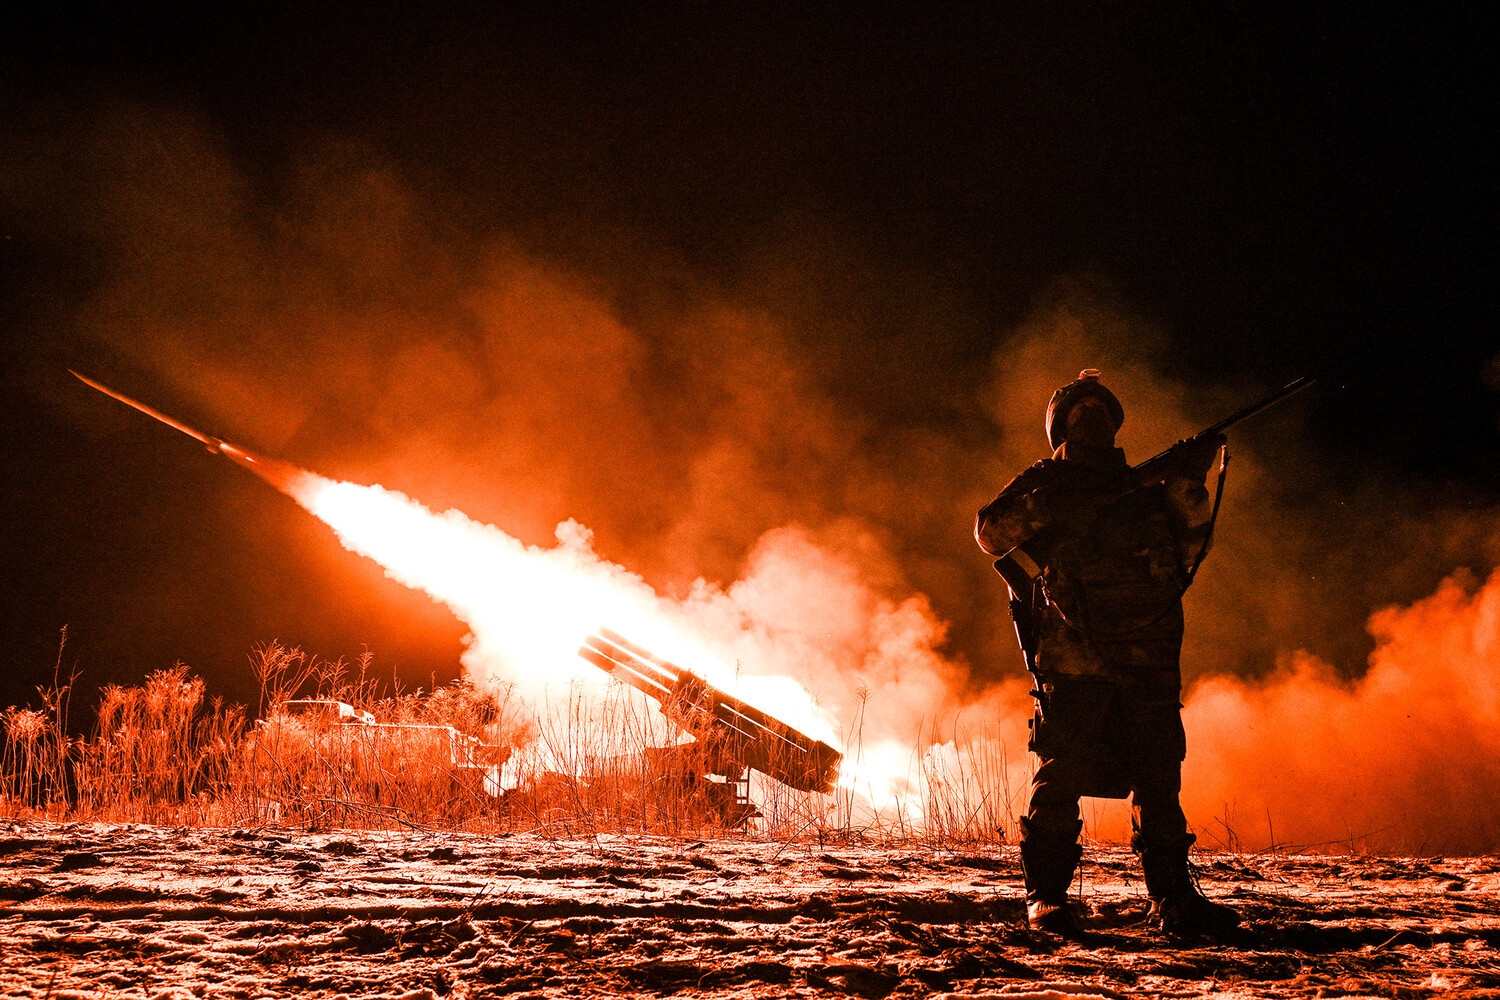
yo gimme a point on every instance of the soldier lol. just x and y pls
(1112, 557)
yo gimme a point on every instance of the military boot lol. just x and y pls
(1048, 860)
(1177, 907)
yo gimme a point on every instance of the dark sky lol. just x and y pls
(1279, 193)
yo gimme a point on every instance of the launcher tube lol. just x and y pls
(751, 736)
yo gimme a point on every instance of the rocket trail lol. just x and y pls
(274, 471)
(530, 609)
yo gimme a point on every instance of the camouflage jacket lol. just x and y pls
(1115, 568)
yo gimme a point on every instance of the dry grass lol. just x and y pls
(970, 790)
(158, 753)
(163, 753)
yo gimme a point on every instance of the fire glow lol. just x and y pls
(530, 608)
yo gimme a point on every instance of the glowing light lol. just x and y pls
(530, 608)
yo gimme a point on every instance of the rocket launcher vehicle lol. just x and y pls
(738, 733)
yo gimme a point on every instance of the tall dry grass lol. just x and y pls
(159, 753)
(35, 762)
(162, 752)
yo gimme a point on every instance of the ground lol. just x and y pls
(141, 911)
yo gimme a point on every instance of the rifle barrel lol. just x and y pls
(1223, 425)
(1256, 407)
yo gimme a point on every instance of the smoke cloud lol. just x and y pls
(749, 448)
(1404, 758)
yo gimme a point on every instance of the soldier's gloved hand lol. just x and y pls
(1196, 455)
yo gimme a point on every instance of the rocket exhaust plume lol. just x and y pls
(533, 611)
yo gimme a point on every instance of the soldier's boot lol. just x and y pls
(1048, 860)
(1177, 907)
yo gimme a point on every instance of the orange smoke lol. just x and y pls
(1403, 759)
(1406, 758)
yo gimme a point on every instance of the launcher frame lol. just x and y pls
(731, 730)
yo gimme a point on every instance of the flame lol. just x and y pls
(529, 608)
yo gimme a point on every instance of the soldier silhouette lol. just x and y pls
(1108, 556)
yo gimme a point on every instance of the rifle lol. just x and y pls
(1022, 567)
(1154, 468)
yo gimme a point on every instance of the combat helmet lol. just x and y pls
(1086, 384)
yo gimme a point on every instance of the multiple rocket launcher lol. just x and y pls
(735, 735)
(734, 732)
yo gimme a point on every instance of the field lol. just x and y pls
(179, 850)
(107, 910)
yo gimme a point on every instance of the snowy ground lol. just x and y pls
(141, 911)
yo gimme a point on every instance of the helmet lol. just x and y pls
(1087, 384)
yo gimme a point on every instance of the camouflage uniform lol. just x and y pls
(1109, 636)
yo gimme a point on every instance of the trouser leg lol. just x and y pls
(1069, 741)
(1160, 830)
(1049, 834)
(1157, 746)
(1050, 850)
(1159, 827)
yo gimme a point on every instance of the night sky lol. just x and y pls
(1272, 193)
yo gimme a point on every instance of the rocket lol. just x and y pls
(272, 470)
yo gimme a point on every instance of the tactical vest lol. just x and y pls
(1114, 591)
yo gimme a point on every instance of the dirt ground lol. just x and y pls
(157, 912)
